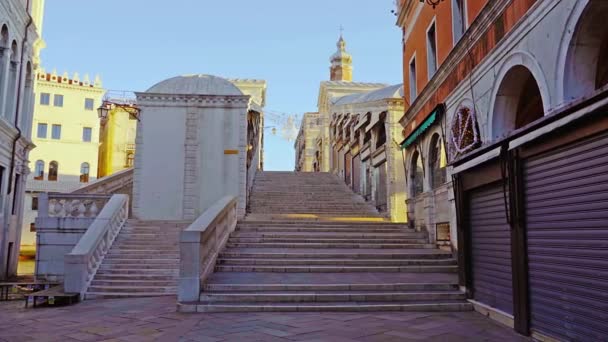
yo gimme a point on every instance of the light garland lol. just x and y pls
(465, 132)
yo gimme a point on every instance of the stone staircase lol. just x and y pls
(311, 244)
(143, 262)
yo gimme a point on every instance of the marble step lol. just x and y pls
(134, 277)
(335, 269)
(322, 245)
(140, 282)
(316, 254)
(336, 224)
(119, 295)
(140, 266)
(333, 262)
(138, 271)
(331, 287)
(304, 239)
(443, 306)
(328, 235)
(311, 230)
(113, 259)
(330, 296)
(134, 288)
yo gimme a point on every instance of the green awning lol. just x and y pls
(423, 127)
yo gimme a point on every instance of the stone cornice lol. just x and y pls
(472, 36)
(373, 107)
(228, 101)
(55, 85)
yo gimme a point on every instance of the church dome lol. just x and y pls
(195, 85)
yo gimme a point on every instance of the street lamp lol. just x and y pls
(432, 2)
(104, 109)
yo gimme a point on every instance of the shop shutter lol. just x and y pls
(348, 163)
(567, 237)
(491, 248)
(381, 199)
(357, 174)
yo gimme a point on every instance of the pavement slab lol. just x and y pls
(156, 319)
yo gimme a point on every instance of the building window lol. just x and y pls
(58, 100)
(417, 175)
(431, 50)
(42, 128)
(39, 170)
(381, 135)
(45, 99)
(35, 203)
(89, 104)
(56, 132)
(437, 162)
(84, 172)
(53, 170)
(130, 159)
(413, 88)
(87, 133)
(458, 19)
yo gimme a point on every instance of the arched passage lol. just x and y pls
(585, 68)
(518, 102)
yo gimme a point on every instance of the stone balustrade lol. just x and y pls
(200, 244)
(71, 205)
(82, 262)
(119, 182)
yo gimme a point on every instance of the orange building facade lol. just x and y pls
(505, 138)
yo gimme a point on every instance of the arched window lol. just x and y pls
(53, 170)
(39, 170)
(417, 175)
(130, 159)
(586, 69)
(437, 161)
(518, 102)
(84, 172)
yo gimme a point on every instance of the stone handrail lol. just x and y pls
(108, 184)
(200, 244)
(84, 260)
(58, 205)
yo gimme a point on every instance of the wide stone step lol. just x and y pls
(118, 295)
(114, 259)
(134, 288)
(135, 277)
(141, 266)
(330, 296)
(325, 245)
(326, 307)
(327, 235)
(261, 288)
(138, 271)
(303, 239)
(335, 224)
(270, 253)
(333, 262)
(145, 247)
(335, 269)
(311, 230)
(140, 282)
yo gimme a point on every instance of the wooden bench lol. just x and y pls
(6, 287)
(54, 295)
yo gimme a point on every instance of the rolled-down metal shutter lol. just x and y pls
(567, 232)
(491, 248)
(381, 199)
(357, 174)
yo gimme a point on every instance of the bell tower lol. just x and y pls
(341, 63)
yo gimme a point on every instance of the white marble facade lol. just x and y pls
(191, 147)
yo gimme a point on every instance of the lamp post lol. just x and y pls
(106, 106)
(433, 3)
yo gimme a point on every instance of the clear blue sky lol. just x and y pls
(133, 44)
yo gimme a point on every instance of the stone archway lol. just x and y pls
(517, 103)
(583, 67)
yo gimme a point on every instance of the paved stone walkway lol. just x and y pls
(149, 319)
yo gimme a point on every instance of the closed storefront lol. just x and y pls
(348, 163)
(380, 196)
(357, 174)
(567, 238)
(491, 248)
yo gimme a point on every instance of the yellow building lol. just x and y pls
(117, 138)
(307, 151)
(65, 130)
